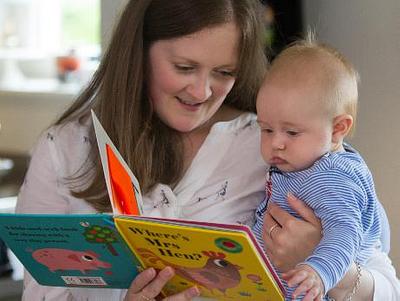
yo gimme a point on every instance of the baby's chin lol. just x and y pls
(287, 167)
(283, 167)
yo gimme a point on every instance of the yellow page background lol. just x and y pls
(181, 247)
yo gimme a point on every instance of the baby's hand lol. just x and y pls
(308, 282)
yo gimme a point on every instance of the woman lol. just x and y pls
(175, 91)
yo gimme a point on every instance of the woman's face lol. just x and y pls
(189, 77)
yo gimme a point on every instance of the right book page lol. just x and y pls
(223, 261)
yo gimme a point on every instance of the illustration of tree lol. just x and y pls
(101, 235)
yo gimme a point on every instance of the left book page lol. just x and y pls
(70, 250)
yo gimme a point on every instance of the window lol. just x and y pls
(81, 25)
(52, 27)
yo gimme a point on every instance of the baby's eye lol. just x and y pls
(266, 130)
(292, 133)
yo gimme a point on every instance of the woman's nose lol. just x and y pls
(200, 89)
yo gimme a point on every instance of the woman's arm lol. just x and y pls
(386, 284)
(358, 282)
(39, 194)
(34, 291)
(377, 273)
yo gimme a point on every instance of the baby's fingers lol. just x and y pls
(289, 274)
(296, 277)
(310, 287)
(313, 295)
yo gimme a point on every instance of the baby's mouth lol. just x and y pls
(277, 161)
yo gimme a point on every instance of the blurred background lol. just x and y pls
(49, 50)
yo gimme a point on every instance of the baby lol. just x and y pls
(306, 107)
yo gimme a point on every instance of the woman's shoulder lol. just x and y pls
(69, 132)
(67, 145)
(237, 122)
(241, 136)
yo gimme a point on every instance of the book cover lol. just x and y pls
(224, 261)
(70, 250)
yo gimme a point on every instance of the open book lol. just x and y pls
(109, 250)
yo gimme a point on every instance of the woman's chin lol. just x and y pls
(183, 128)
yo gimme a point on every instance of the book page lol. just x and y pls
(122, 185)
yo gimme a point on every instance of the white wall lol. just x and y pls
(109, 11)
(24, 115)
(368, 33)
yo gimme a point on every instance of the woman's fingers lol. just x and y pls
(282, 217)
(271, 226)
(154, 288)
(142, 280)
(294, 239)
(279, 215)
(303, 210)
(269, 221)
(148, 285)
(186, 295)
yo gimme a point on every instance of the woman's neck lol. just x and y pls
(193, 141)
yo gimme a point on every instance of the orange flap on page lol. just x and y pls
(123, 190)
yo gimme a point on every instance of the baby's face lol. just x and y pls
(295, 131)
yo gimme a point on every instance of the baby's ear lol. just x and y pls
(341, 127)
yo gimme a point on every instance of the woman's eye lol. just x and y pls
(184, 68)
(226, 73)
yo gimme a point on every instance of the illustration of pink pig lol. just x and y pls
(64, 259)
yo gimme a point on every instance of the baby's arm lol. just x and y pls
(378, 277)
(349, 221)
(307, 280)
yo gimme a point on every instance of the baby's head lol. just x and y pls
(306, 106)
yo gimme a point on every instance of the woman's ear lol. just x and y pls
(341, 127)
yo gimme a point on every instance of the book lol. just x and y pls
(109, 250)
(101, 250)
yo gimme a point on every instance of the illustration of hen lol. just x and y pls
(217, 273)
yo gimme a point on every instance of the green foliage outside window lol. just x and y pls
(80, 22)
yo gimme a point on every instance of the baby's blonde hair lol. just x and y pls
(337, 75)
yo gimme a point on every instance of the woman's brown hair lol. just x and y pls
(117, 92)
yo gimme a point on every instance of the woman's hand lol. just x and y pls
(148, 285)
(290, 240)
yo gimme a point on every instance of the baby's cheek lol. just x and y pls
(264, 149)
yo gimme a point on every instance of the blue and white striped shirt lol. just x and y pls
(340, 189)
